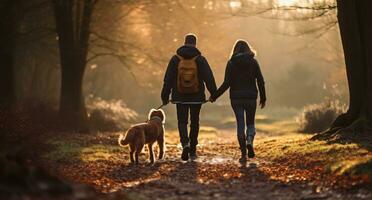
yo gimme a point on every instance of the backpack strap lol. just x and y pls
(195, 57)
(179, 57)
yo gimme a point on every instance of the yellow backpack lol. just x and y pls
(187, 78)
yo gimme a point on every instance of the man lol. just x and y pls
(187, 74)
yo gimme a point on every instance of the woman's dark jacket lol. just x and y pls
(205, 75)
(242, 73)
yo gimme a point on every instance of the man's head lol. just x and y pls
(190, 40)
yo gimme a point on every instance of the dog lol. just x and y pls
(145, 133)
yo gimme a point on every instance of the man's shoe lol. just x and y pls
(250, 151)
(243, 159)
(185, 153)
(193, 156)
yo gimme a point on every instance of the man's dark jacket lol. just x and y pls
(242, 73)
(205, 76)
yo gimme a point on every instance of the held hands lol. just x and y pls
(211, 99)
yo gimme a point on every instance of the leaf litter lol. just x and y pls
(97, 161)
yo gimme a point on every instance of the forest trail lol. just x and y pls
(96, 160)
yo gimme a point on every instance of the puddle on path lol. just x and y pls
(215, 160)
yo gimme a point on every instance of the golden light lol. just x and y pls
(286, 2)
(235, 4)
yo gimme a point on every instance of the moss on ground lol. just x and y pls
(98, 152)
(340, 159)
(62, 150)
(73, 150)
(359, 167)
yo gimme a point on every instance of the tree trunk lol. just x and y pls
(352, 45)
(355, 22)
(366, 26)
(72, 107)
(7, 30)
(73, 19)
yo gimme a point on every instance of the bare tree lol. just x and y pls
(73, 20)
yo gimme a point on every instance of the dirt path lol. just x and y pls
(216, 174)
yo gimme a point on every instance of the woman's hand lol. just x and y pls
(211, 99)
(262, 104)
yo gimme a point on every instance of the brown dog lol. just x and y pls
(145, 133)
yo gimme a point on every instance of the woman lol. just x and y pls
(242, 73)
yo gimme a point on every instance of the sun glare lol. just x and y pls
(286, 2)
(235, 4)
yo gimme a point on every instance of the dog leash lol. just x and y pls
(185, 103)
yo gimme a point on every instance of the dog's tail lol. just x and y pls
(125, 140)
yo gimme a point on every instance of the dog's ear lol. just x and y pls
(162, 114)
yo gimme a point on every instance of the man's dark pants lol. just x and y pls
(183, 111)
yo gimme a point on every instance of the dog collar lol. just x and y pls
(157, 118)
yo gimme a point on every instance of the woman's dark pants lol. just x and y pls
(245, 109)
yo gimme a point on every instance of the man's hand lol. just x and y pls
(165, 102)
(262, 104)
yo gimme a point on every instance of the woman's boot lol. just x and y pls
(251, 132)
(243, 149)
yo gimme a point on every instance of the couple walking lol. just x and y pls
(185, 79)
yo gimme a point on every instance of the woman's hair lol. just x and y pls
(242, 46)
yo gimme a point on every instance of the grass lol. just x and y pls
(98, 152)
(260, 119)
(72, 150)
(359, 167)
(62, 150)
(208, 129)
(278, 127)
(339, 159)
